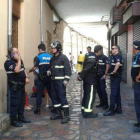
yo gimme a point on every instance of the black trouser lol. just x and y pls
(88, 97)
(40, 87)
(17, 102)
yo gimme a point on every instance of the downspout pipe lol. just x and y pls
(41, 21)
(10, 2)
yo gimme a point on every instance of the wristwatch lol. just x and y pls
(28, 77)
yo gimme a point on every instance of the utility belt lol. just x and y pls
(42, 76)
(115, 75)
(16, 85)
(100, 73)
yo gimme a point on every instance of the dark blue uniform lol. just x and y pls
(60, 71)
(115, 97)
(43, 64)
(88, 75)
(134, 72)
(101, 84)
(16, 82)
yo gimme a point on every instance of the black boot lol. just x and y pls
(137, 129)
(118, 110)
(105, 105)
(101, 104)
(15, 123)
(109, 112)
(37, 110)
(90, 115)
(57, 114)
(66, 116)
(136, 124)
(22, 119)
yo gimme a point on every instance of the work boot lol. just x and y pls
(15, 123)
(137, 129)
(57, 114)
(105, 105)
(136, 124)
(22, 119)
(91, 115)
(101, 104)
(37, 110)
(118, 110)
(109, 112)
(66, 117)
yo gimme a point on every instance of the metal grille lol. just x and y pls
(122, 44)
(15, 32)
(136, 29)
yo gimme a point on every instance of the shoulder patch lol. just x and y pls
(11, 67)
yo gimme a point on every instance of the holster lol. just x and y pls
(16, 85)
(115, 75)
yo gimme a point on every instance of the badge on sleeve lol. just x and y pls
(118, 60)
(11, 67)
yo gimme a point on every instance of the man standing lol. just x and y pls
(88, 51)
(42, 62)
(115, 77)
(60, 75)
(103, 68)
(135, 74)
(88, 75)
(17, 78)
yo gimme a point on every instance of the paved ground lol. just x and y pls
(118, 127)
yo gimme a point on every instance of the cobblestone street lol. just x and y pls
(118, 127)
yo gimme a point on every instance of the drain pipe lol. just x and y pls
(10, 2)
(41, 21)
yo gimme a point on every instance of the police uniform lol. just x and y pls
(134, 72)
(101, 84)
(16, 82)
(43, 64)
(115, 97)
(88, 75)
(60, 71)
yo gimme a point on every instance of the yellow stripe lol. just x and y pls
(59, 77)
(57, 105)
(67, 77)
(65, 106)
(91, 97)
(60, 67)
(87, 110)
(82, 107)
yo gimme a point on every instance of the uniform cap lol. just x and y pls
(136, 44)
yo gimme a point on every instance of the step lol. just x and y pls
(4, 122)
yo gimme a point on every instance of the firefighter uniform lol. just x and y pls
(101, 84)
(43, 64)
(88, 75)
(16, 82)
(134, 72)
(115, 97)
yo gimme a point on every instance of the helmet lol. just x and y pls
(57, 45)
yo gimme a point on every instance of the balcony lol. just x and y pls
(118, 29)
(132, 13)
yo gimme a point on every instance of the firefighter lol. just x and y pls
(135, 74)
(60, 72)
(88, 51)
(115, 77)
(88, 75)
(41, 66)
(103, 68)
(17, 78)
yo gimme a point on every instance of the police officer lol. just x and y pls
(88, 75)
(88, 51)
(103, 68)
(17, 78)
(42, 62)
(115, 77)
(60, 75)
(135, 74)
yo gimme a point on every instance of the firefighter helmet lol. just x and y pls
(57, 45)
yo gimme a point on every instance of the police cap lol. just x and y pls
(136, 45)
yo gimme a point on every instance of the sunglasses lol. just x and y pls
(113, 48)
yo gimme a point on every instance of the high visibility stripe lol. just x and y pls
(87, 110)
(59, 67)
(67, 77)
(44, 63)
(9, 72)
(65, 106)
(101, 63)
(136, 66)
(91, 57)
(59, 77)
(57, 105)
(82, 107)
(91, 97)
(115, 64)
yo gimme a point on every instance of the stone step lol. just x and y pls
(4, 122)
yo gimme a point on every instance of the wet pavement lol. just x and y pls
(118, 127)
